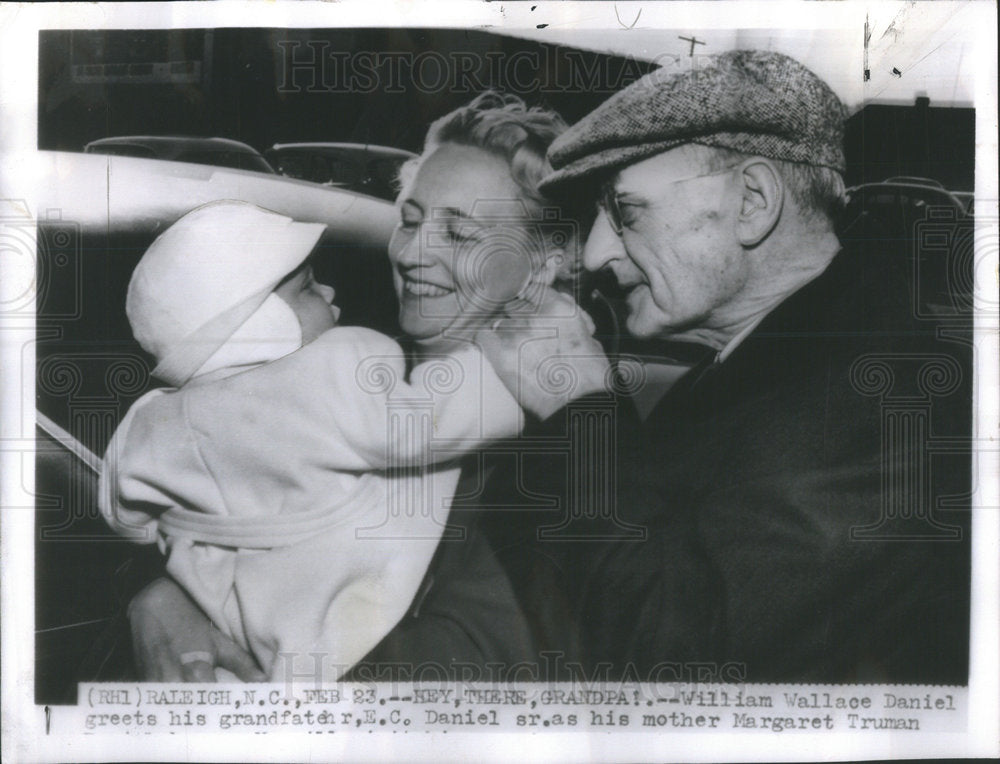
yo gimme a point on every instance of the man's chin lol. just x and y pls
(641, 329)
(638, 321)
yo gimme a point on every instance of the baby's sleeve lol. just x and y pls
(150, 466)
(449, 406)
(344, 403)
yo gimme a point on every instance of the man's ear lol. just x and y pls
(763, 196)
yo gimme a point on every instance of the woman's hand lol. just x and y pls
(545, 353)
(174, 641)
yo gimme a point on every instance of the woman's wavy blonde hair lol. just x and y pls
(503, 125)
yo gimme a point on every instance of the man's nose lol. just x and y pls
(603, 244)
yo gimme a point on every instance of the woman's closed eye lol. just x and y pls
(410, 216)
(464, 234)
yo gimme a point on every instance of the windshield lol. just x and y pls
(234, 159)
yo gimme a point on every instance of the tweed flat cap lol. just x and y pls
(757, 102)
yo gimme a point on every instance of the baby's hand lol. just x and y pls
(546, 356)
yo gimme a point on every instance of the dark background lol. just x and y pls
(227, 83)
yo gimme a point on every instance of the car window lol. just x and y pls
(234, 159)
(365, 172)
(316, 168)
(380, 178)
(386, 170)
(346, 171)
(291, 164)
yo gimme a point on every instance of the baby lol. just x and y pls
(289, 474)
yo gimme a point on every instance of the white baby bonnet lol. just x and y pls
(208, 279)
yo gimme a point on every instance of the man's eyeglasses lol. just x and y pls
(613, 205)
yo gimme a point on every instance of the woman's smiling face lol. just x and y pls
(465, 244)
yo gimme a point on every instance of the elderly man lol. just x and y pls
(788, 537)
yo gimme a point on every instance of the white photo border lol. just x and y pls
(24, 737)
